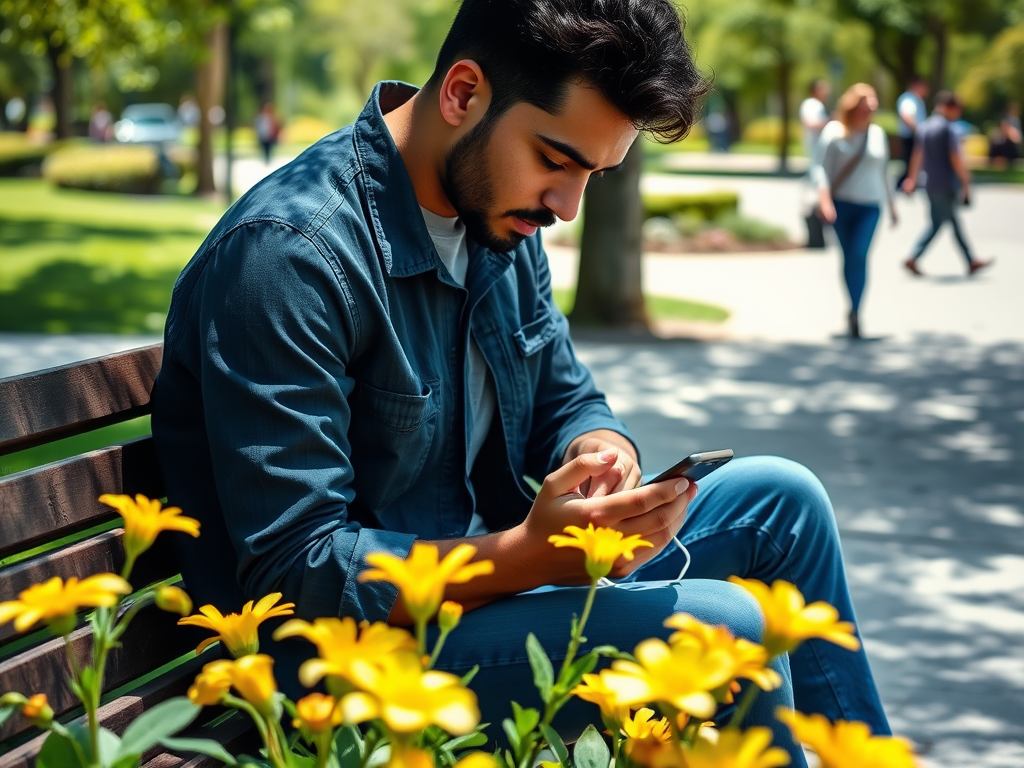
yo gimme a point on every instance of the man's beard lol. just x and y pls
(467, 183)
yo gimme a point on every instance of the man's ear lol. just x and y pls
(465, 94)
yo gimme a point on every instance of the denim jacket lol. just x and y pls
(311, 405)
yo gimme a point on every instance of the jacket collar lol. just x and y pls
(398, 225)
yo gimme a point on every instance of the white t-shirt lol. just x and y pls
(812, 112)
(449, 238)
(868, 182)
(910, 105)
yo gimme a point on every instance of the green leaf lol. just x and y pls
(543, 674)
(109, 747)
(526, 719)
(126, 761)
(468, 677)
(207, 747)
(165, 719)
(6, 712)
(509, 727)
(580, 667)
(591, 751)
(556, 743)
(612, 652)
(475, 739)
(59, 752)
(348, 747)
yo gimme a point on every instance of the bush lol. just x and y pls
(706, 205)
(751, 230)
(304, 129)
(110, 168)
(18, 155)
(768, 131)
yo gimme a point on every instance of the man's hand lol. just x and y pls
(909, 185)
(622, 474)
(654, 511)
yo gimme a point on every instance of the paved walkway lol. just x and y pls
(918, 436)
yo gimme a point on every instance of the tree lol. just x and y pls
(95, 31)
(608, 289)
(1000, 71)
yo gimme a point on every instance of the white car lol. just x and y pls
(148, 124)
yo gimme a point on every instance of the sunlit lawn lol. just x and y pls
(92, 262)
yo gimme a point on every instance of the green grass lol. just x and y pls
(92, 262)
(73, 446)
(659, 307)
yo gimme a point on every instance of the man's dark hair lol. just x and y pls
(632, 51)
(947, 99)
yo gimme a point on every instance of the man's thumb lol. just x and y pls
(582, 468)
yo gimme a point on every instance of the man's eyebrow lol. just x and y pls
(574, 154)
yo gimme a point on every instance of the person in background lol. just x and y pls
(188, 111)
(948, 182)
(101, 123)
(1004, 148)
(267, 129)
(814, 114)
(911, 111)
(849, 170)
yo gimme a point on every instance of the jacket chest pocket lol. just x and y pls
(535, 335)
(390, 434)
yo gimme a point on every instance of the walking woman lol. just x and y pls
(849, 169)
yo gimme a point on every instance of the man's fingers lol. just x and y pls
(625, 511)
(569, 476)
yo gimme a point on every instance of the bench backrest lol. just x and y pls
(40, 507)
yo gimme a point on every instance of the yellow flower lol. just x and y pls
(449, 615)
(38, 710)
(56, 602)
(408, 699)
(143, 520)
(339, 643)
(601, 546)
(733, 749)
(173, 600)
(409, 758)
(253, 677)
(238, 631)
(421, 578)
(651, 752)
(596, 691)
(788, 621)
(317, 713)
(749, 658)
(681, 676)
(640, 726)
(846, 744)
(477, 760)
(212, 683)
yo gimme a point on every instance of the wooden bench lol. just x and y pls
(41, 507)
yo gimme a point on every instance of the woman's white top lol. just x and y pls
(868, 183)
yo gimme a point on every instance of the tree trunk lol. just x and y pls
(63, 89)
(785, 78)
(209, 90)
(941, 33)
(608, 289)
(230, 116)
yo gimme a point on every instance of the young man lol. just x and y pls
(365, 351)
(911, 111)
(814, 114)
(947, 179)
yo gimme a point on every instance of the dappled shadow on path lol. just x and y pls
(921, 446)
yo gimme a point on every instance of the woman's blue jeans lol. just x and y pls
(762, 517)
(855, 226)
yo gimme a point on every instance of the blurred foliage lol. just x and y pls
(706, 205)
(126, 168)
(19, 155)
(998, 74)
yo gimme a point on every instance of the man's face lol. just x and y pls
(510, 176)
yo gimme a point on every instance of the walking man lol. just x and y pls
(911, 111)
(947, 182)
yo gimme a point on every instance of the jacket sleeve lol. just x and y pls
(567, 403)
(275, 336)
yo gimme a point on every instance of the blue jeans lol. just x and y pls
(943, 209)
(855, 226)
(763, 517)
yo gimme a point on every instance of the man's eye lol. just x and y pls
(550, 164)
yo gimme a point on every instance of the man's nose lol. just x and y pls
(563, 199)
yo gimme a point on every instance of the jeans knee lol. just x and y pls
(791, 489)
(722, 603)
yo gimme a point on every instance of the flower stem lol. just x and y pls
(437, 648)
(744, 706)
(574, 641)
(421, 636)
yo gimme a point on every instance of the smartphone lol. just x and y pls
(695, 466)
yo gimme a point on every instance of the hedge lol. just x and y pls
(105, 168)
(707, 205)
(19, 155)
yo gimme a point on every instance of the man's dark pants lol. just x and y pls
(943, 209)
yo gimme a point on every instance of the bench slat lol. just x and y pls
(237, 735)
(70, 399)
(103, 553)
(48, 502)
(151, 641)
(117, 714)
